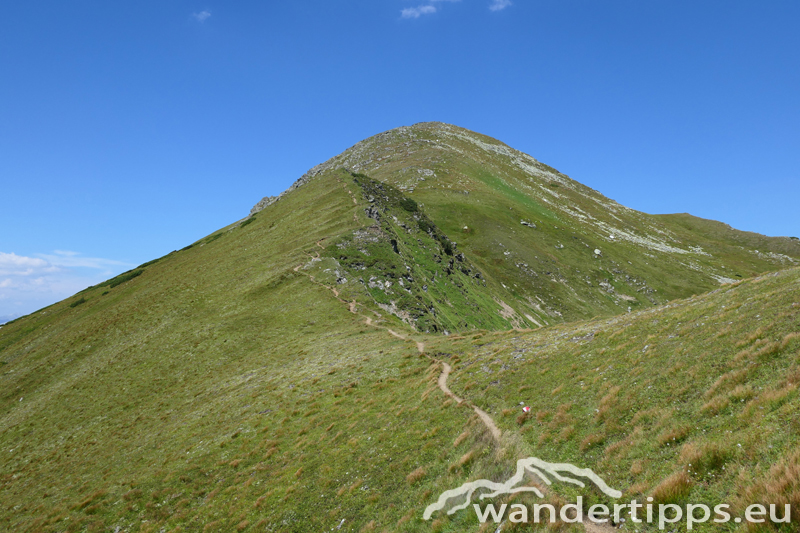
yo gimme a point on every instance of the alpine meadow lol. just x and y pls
(365, 341)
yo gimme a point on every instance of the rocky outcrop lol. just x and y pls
(269, 200)
(265, 202)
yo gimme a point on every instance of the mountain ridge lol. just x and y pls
(269, 377)
(414, 159)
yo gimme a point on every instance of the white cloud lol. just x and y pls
(30, 283)
(497, 5)
(61, 258)
(19, 265)
(202, 16)
(417, 12)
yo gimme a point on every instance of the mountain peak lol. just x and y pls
(546, 247)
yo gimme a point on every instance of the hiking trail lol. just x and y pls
(487, 420)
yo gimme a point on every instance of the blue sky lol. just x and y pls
(130, 129)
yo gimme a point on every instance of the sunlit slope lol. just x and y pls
(250, 381)
(223, 388)
(479, 192)
(695, 401)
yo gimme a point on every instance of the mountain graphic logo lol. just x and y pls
(565, 472)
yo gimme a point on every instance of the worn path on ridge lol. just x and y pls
(487, 420)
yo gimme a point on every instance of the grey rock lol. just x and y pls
(302, 180)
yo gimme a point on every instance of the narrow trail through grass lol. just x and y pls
(446, 369)
(485, 418)
(442, 383)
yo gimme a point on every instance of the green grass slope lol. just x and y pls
(479, 192)
(692, 402)
(221, 388)
(250, 381)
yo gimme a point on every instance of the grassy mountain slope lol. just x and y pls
(479, 192)
(695, 401)
(250, 381)
(217, 388)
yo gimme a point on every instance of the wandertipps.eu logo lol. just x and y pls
(547, 472)
(664, 515)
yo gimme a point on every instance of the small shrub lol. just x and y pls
(122, 278)
(76, 303)
(248, 221)
(147, 264)
(409, 205)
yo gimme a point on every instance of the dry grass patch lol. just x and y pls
(466, 459)
(757, 334)
(590, 441)
(715, 405)
(703, 459)
(405, 518)
(781, 487)
(674, 489)
(608, 403)
(618, 448)
(674, 436)
(789, 339)
(726, 381)
(416, 475)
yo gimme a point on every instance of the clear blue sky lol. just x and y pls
(130, 129)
